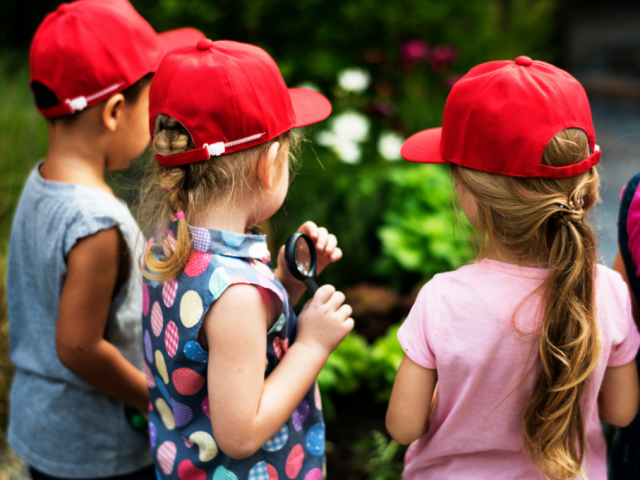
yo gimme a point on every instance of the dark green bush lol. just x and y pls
(390, 217)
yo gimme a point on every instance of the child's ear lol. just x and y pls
(267, 170)
(112, 111)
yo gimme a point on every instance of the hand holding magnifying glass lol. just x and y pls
(301, 258)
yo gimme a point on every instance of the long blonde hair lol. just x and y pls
(543, 220)
(190, 188)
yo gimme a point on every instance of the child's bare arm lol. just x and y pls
(409, 407)
(247, 409)
(92, 274)
(619, 395)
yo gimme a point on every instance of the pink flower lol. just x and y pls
(415, 50)
(452, 80)
(443, 55)
(386, 108)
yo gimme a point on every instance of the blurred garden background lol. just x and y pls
(387, 68)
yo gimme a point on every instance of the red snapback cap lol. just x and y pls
(87, 50)
(500, 117)
(229, 96)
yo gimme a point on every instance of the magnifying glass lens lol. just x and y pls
(303, 256)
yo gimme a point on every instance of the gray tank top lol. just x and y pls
(57, 422)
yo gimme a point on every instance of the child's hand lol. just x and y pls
(325, 320)
(327, 252)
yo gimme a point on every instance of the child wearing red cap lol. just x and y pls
(528, 347)
(624, 459)
(231, 375)
(74, 289)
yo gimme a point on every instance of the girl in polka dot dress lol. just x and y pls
(233, 396)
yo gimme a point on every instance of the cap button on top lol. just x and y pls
(524, 61)
(204, 44)
(62, 8)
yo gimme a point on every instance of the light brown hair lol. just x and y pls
(191, 188)
(542, 220)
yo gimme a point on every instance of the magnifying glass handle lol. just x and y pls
(312, 285)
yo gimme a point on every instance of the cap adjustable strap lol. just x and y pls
(217, 149)
(547, 171)
(71, 106)
(204, 153)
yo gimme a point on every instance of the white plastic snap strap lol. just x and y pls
(80, 103)
(217, 149)
(77, 104)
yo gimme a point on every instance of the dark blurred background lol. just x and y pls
(387, 68)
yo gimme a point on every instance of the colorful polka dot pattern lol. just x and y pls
(169, 292)
(186, 381)
(145, 299)
(156, 319)
(206, 446)
(197, 263)
(165, 414)
(167, 456)
(171, 339)
(188, 471)
(191, 308)
(162, 367)
(278, 441)
(151, 382)
(200, 238)
(176, 367)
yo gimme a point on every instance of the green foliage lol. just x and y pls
(385, 356)
(23, 138)
(380, 457)
(417, 227)
(355, 364)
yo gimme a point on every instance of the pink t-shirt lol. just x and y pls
(477, 327)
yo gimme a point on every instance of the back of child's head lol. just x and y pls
(89, 50)
(216, 109)
(520, 140)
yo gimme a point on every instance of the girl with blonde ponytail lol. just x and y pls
(231, 371)
(534, 342)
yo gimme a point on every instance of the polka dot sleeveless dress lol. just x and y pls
(176, 367)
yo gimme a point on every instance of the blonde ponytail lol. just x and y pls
(543, 219)
(187, 189)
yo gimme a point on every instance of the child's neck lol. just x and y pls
(74, 156)
(237, 217)
(501, 254)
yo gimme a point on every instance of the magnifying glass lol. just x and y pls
(300, 256)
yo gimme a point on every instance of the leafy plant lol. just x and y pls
(356, 363)
(418, 227)
(344, 370)
(385, 356)
(380, 457)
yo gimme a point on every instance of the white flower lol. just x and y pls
(351, 125)
(355, 80)
(347, 131)
(347, 151)
(389, 145)
(309, 86)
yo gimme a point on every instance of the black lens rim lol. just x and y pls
(290, 256)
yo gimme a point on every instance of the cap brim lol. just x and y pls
(423, 147)
(310, 107)
(181, 37)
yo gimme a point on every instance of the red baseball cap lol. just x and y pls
(229, 96)
(500, 117)
(87, 50)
